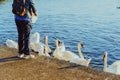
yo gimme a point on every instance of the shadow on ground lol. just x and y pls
(8, 59)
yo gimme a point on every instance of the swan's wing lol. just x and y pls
(80, 61)
(57, 53)
(48, 49)
(114, 68)
(40, 51)
(111, 69)
(37, 47)
(68, 55)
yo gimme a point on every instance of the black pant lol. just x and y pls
(24, 29)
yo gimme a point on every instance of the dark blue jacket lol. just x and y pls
(30, 7)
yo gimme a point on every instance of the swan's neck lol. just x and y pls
(37, 38)
(79, 51)
(56, 43)
(46, 40)
(105, 64)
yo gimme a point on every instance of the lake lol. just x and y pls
(96, 23)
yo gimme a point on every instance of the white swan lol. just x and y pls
(35, 38)
(11, 43)
(113, 68)
(70, 56)
(35, 43)
(61, 53)
(56, 53)
(44, 52)
(81, 60)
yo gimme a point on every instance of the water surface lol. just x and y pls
(94, 22)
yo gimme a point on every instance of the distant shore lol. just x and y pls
(45, 68)
(2, 0)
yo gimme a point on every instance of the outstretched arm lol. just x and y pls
(32, 8)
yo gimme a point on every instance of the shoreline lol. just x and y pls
(44, 68)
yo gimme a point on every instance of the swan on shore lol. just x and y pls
(38, 46)
(56, 53)
(81, 60)
(35, 38)
(35, 43)
(11, 43)
(46, 44)
(44, 51)
(62, 54)
(113, 68)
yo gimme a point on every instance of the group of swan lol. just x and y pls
(63, 54)
(60, 52)
(113, 68)
(35, 44)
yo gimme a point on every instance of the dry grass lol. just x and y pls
(44, 68)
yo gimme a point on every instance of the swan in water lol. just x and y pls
(113, 68)
(11, 43)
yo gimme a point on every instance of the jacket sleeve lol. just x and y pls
(32, 8)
